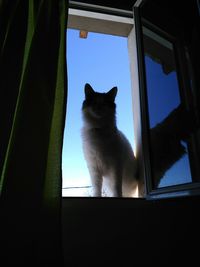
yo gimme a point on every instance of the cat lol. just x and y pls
(109, 155)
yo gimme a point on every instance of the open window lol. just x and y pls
(168, 98)
(165, 99)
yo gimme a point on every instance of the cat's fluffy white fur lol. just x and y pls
(110, 158)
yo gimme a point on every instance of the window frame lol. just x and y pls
(176, 37)
(128, 24)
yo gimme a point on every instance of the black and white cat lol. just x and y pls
(110, 158)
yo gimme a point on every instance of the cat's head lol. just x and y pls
(99, 106)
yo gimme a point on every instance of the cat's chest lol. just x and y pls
(98, 137)
(100, 143)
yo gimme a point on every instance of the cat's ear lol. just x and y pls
(88, 90)
(112, 93)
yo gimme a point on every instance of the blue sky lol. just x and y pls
(101, 60)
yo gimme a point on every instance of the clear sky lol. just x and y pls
(101, 60)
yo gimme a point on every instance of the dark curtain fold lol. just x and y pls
(32, 102)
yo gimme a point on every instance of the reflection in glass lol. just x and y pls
(169, 157)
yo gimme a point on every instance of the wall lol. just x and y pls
(135, 232)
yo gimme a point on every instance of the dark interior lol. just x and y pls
(95, 231)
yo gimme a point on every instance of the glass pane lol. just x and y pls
(169, 157)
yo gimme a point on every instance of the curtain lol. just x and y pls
(33, 89)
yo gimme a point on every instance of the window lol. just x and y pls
(163, 94)
(166, 135)
(171, 136)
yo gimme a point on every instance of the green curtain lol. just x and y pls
(32, 114)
